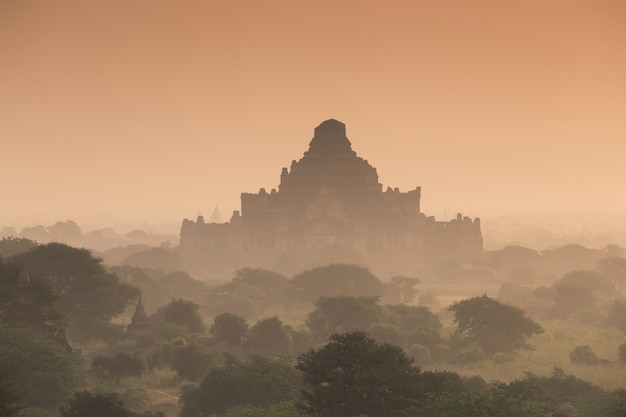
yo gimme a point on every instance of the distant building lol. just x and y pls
(24, 311)
(332, 197)
(140, 323)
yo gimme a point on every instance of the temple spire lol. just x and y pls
(330, 139)
(23, 280)
(140, 308)
(140, 323)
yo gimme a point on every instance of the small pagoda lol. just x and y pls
(140, 323)
(24, 311)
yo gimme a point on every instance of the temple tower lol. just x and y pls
(24, 310)
(140, 323)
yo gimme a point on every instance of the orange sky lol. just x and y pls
(155, 110)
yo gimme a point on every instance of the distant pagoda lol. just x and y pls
(140, 323)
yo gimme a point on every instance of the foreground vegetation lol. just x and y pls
(551, 343)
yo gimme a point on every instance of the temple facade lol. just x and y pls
(332, 198)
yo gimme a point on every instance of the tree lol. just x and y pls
(272, 284)
(258, 382)
(118, 366)
(95, 405)
(64, 231)
(617, 315)
(614, 268)
(493, 326)
(192, 362)
(336, 279)
(82, 288)
(229, 328)
(569, 299)
(621, 353)
(184, 286)
(9, 397)
(185, 313)
(160, 258)
(44, 371)
(553, 391)
(587, 278)
(401, 290)
(572, 256)
(87, 404)
(236, 297)
(343, 313)
(584, 355)
(354, 375)
(494, 402)
(10, 246)
(414, 318)
(269, 336)
(608, 404)
(281, 409)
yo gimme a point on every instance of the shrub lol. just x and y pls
(584, 355)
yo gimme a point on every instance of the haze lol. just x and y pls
(154, 110)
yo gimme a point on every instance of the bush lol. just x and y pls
(584, 355)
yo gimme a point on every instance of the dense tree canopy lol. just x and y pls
(269, 336)
(45, 373)
(192, 362)
(236, 297)
(343, 313)
(81, 288)
(184, 313)
(9, 395)
(118, 366)
(553, 391)
(493, 326)
(258, 382)
(87, 404)
(614, 269)
(229, 328)
(401, 290)
(95, 405)
(336, 279)
(617, 315)
(354, 375)
(10, 246)
(281, 409)
(161, 258)
(271, 284)
(492, 403)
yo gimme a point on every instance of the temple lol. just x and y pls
(24, 311)
(332, 198)
(140, 323)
